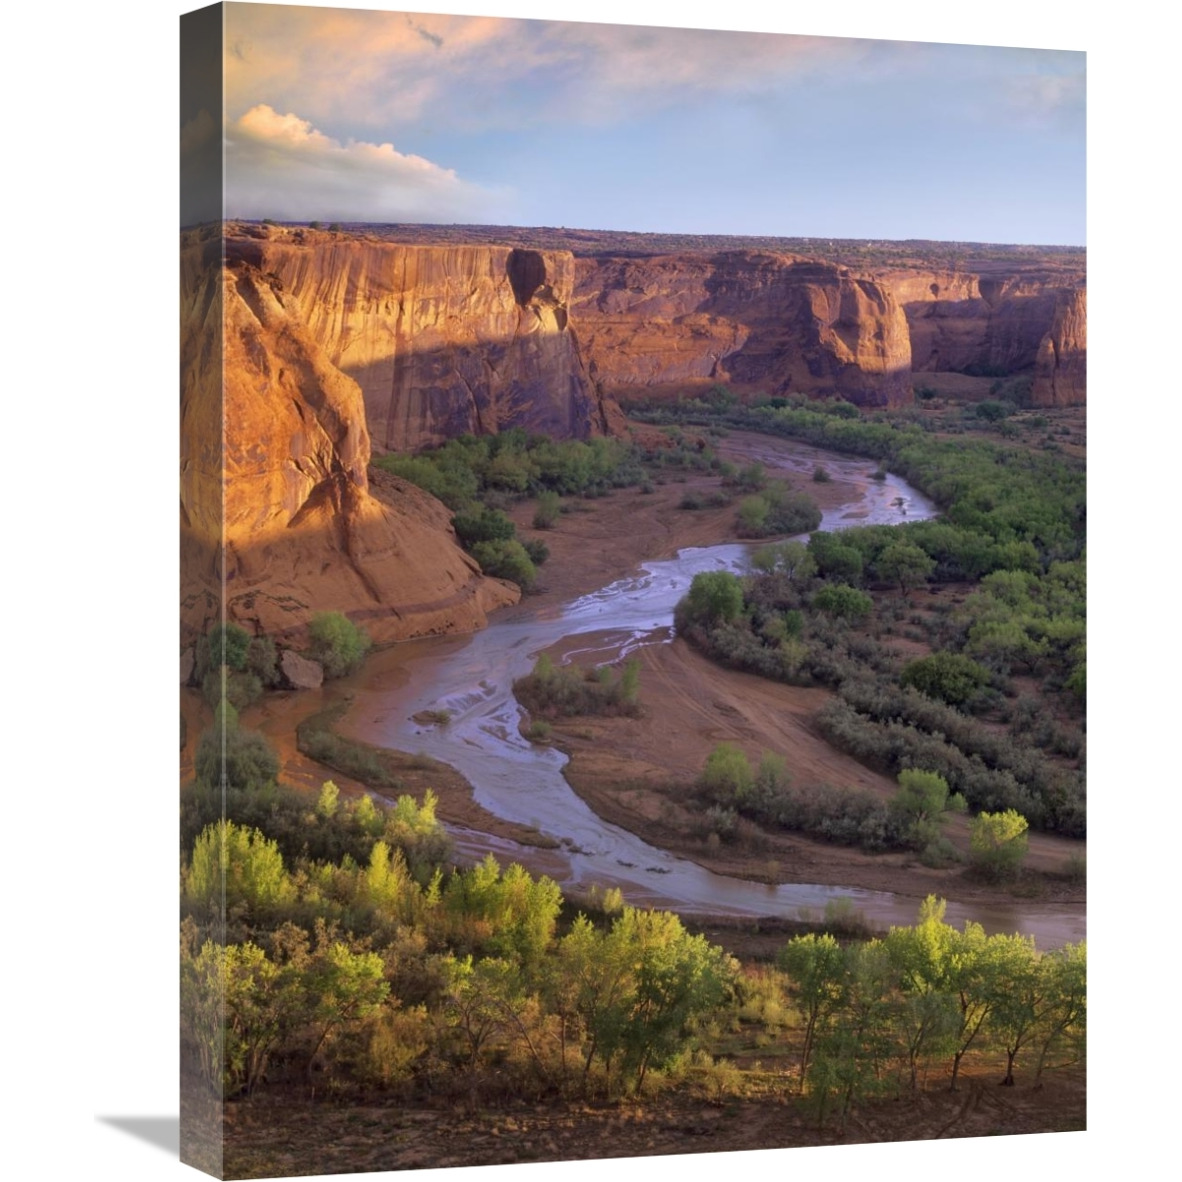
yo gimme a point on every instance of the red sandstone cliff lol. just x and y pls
(442, 340)
(1060, 368)
(278, 511)
(751, 319)
(998, 322)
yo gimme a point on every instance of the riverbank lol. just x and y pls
(627, 779)
(638, 773)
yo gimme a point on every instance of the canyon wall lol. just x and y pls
(1060, 368)
(999, 323)
(308, 344)
(277, 511)
(442, 341)
(754, 320)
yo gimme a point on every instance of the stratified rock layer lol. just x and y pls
(999, 323)
(751, 319)
(442, 341)
(276, 512)
(1060, 369)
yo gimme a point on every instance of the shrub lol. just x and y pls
(949, 677)
(489, 525)
(821, 475)
(846, 602)
(240, 689)
(548, 510)
(228, 645)
(336, 643)
(249, 760)
(998, 843)
(537, 550)
(262, 659)
(506, 560)
(727, 777)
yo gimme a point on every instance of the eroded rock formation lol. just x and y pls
(278, 512)
(1060, 368)
(999, 323)
(751, 319)
(442, 340)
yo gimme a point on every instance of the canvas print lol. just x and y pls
(632, 633)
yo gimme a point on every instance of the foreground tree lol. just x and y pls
(816, 971)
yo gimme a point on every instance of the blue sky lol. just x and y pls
(364, 115)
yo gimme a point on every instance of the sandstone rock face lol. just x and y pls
(1060, 369)
(442, 340)
(997, 323)
(300, 672)
(188, 663)
(282, 520)
(751, 319)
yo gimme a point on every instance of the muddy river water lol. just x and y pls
(471, 677)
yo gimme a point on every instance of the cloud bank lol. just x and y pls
(281, 166)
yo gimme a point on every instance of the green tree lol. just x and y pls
(676, 979)
(753, 517)
(851, 1053)
(336, 643)
(791, 559)
(263, 1003)
(948, 677)
(834, 559)
(241, 861)
(815, 966)
(727, 776)
(714, 596)
(998, 843)
(846, 602)
(1017, 1007)
(343, 987)
(917, 810)
(1064, 1014)
(905, 564)
(929, 1014)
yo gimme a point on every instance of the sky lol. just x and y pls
(356, 115)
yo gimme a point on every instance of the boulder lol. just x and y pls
(300, 672)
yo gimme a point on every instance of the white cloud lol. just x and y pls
(281, 166)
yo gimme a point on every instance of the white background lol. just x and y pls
(89, 430)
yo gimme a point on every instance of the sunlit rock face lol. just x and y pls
(756, 321)
(276, 510)
(442, 341)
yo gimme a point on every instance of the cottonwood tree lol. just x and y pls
(1065, 1003)
(998, 843)
(929, 1014)
(853, 1049)
(1020, 995)
(918, 809)
(815, 966)
(905, 564)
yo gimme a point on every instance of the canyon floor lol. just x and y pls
(634, 772)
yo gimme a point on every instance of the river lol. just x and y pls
(472, 677)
